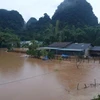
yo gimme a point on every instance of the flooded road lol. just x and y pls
(23, 78)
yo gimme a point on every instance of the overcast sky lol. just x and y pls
(36, 8)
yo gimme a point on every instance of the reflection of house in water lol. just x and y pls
(68, 48)
(95, 51)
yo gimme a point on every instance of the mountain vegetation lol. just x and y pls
(31, 21)
(72, 21)
(98, 98)
(11, 20)
(75, 12)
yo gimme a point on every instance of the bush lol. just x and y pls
(51, 55)
(98, 98)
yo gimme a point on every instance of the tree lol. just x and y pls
(75, 12)
(8, 40)
(44, 53)
(98, 98)
(51, 55)
(33, 52)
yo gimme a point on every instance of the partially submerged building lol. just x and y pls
(78, 49)
(69, 48)
(56, 46)
(95, 51)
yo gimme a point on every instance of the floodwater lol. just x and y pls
(23, 78)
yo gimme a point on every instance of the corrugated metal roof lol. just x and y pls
(82, 46)
(71, 47)
(59, 44)
(95, 48)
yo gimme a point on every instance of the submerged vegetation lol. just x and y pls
(34, 52)
(98, 98)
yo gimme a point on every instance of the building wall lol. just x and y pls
(87, 51)
(71, 53)
(95, 53)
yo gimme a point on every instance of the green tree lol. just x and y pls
(51, 55)
(8, 40)
(98, 98)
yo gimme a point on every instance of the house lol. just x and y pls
(68, 48)
(55, 47)
(78, 48)
(95, 51)
(23, 43)
(28, 43)
(39, 42)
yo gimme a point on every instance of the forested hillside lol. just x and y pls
(11, 23)
(73, 20)
(75, 12)
(11, 20)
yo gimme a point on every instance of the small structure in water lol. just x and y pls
(64, 56)
(45, 58)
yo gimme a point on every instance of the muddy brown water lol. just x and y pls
(23, 78)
